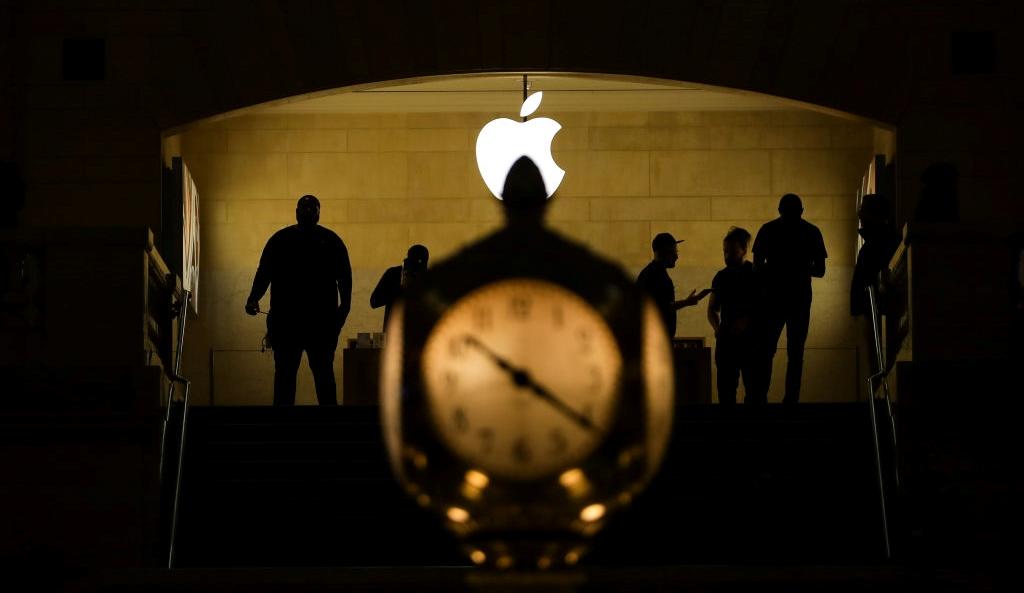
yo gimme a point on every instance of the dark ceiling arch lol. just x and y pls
(846, 56)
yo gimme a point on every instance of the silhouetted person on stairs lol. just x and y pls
(788, 252)
(309, 275)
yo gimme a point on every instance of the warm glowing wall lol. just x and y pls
(387, 181)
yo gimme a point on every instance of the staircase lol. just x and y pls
(300, 486)
(757, 485)
(308, 486)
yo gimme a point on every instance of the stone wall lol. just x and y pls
(386, 181)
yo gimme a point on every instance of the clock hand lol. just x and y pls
(545, 395)
(522, 378)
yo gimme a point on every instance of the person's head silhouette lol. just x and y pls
(416, 259)
(734, 246)
(307, 211)
(524, 196)
(790, 207)
(873, 211)
(666, 249)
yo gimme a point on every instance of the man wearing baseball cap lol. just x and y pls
(654, 279)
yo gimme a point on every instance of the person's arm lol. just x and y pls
(758, 250)
(691, 300)
(818, 259)
(261, 282)
(713, 318)
(387, 288)
(344, 280)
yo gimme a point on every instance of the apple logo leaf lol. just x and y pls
(531, 104)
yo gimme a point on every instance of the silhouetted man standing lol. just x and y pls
(788, 252)
(395, 279)
(732, 313)
(654, 279)
(307, 269)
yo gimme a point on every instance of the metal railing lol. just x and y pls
(879, 378)
(175, 379)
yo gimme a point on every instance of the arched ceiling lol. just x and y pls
(503, 92)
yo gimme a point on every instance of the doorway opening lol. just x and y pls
(394, 164)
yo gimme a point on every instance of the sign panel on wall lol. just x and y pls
(190, 236)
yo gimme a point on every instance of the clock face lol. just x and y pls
(522, 378)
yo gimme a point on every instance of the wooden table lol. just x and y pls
(692, 361)
(361, 376)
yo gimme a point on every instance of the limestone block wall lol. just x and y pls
(387, 181)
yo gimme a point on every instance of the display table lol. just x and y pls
(361, 376)
(692, 361)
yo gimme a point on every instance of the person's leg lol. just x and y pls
(321, 362)
(797, 325)
(728, 371)
(765, 342)
(746, 364)
(286, 366)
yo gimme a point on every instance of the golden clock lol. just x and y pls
(526, 390)
(507, 406)
(521, 421)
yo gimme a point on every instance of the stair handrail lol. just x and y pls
(171, 547)
(180, 310)
(176, 378)
(878, 468)
(874, 380)
(880, 378)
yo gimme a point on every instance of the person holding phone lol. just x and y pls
(731, 313)
(395, 280)
(307, 270)
(654, 279)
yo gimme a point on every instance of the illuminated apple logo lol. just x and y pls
(502, 141)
